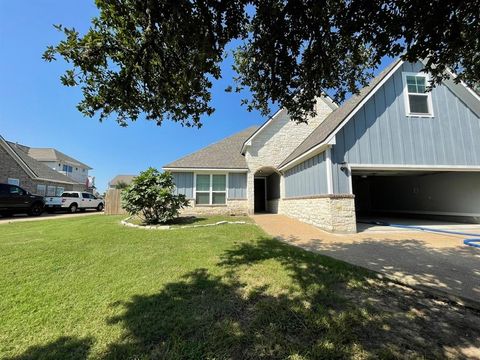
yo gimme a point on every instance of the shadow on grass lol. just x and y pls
(206, 316)
(67, 348)
(186, 220)
(327, 309)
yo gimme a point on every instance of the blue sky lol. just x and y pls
(36, 110)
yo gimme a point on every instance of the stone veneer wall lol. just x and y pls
(276, 141)
(233, 207)
(334, 213)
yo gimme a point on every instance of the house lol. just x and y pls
(64, 164)
(17, 167)
(120, 180)
(391, 149)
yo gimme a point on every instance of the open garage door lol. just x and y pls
(452, 196)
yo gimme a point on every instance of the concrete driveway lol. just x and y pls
(439, 263)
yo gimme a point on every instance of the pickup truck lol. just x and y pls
(72, 201)
(15, 200)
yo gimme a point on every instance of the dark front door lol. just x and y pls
(259, 189)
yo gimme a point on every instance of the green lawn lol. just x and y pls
(87, 287)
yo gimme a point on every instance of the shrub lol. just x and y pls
(151, 194)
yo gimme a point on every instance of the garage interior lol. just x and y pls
(410, 196)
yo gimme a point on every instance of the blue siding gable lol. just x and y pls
(307, 178)
(381, 132)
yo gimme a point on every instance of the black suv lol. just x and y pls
(15, 200)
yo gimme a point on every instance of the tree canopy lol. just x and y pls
(161, 57)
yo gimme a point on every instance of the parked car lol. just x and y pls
(15, 200)
(73, 201)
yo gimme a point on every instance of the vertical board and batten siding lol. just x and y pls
(381, 133)
(237, 185)
(183, 183)
(307, 178)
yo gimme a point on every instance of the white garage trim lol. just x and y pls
(383, 167)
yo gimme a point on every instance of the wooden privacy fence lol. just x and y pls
(113, 202)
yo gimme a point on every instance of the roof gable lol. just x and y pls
(225, 154)
(325, 132)
(326, 99)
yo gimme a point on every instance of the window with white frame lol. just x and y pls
(59, 191)
(418, 101)
(211, 189)
(13, 181)
(41, 189)
(50, 190)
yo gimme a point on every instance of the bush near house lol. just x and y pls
(151, 195)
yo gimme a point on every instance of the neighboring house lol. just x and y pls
(391, 149)
(120, 179)
(19, 168)
(64, 164)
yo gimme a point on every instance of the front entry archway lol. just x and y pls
(266, 190)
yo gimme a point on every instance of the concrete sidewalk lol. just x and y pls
(440, 263)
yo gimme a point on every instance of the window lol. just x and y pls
(86, 195)
(15, 190)
(50, 190)
(418, 100)
(67, 168)
(12, 181)
(211, 189)
(41, 190)
(59, 191)
(70, 195)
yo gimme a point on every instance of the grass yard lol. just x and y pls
(88, 288)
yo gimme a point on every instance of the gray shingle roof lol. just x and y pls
(39, 169)
(127, 179)
(50, 154)
(321, 133)
(224, 154)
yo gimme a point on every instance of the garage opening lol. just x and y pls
(447, 196)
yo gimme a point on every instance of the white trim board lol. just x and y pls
(328, 163)
(383, 167)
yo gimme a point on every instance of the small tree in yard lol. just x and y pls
(151, 194)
